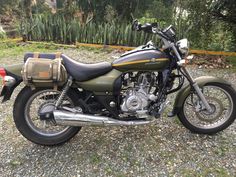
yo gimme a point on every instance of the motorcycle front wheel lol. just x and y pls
(28, 105)
(197, 119)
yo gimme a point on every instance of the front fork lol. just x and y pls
(190, 79)
(197, 89)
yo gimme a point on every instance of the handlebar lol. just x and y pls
(152, 28)
(136, 26)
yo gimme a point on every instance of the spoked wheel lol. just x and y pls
(28, 108)
(196, 118)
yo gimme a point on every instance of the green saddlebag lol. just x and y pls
(42, 72)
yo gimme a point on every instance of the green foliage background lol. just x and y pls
(208, 24)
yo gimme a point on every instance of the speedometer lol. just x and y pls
(170, 32)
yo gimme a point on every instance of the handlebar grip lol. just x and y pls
(147, 27)
(136, 26)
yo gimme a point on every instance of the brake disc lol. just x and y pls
(217, 108)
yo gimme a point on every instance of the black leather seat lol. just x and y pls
(79, 71)
(83, 72)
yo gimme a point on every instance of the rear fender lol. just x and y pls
(185, 91)
(15, 72)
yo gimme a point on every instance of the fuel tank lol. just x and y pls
(142, 60)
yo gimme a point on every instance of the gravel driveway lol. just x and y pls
(164, 148)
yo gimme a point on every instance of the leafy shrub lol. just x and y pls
(59, 29)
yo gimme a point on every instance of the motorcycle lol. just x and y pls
(61, 95)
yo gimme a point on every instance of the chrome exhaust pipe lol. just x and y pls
(78, 120)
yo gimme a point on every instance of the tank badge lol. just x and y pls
(152, 61)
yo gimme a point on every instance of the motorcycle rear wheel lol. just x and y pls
(222, 100)
(30, 126)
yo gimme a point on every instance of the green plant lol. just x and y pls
(49, 27)
(2, 33)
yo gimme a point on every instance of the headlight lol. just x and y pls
(183, 46)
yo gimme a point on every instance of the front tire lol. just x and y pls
(30, 131)
(222, 99)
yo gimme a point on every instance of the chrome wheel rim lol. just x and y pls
(32, 108)
(221, 103)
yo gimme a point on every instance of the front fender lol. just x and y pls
(184, 92)
(13, 71)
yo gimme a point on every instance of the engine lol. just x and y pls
(138, 96)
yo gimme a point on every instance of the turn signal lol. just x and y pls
(181, 62)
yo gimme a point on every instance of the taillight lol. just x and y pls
(2, 72)
(3, 75)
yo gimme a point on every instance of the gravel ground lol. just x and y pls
(164, 148)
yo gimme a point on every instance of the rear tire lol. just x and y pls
(211, 129)
(28, 132)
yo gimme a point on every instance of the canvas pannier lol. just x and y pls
(42, 72)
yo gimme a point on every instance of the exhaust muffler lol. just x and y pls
(78, 119)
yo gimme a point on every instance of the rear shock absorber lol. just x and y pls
(64, 92)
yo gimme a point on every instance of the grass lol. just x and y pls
(15, 49)
(232, 60)
(15, 162)
(13, 53)
(95, 158)
(211, 171)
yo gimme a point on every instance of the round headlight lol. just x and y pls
(183, 46)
